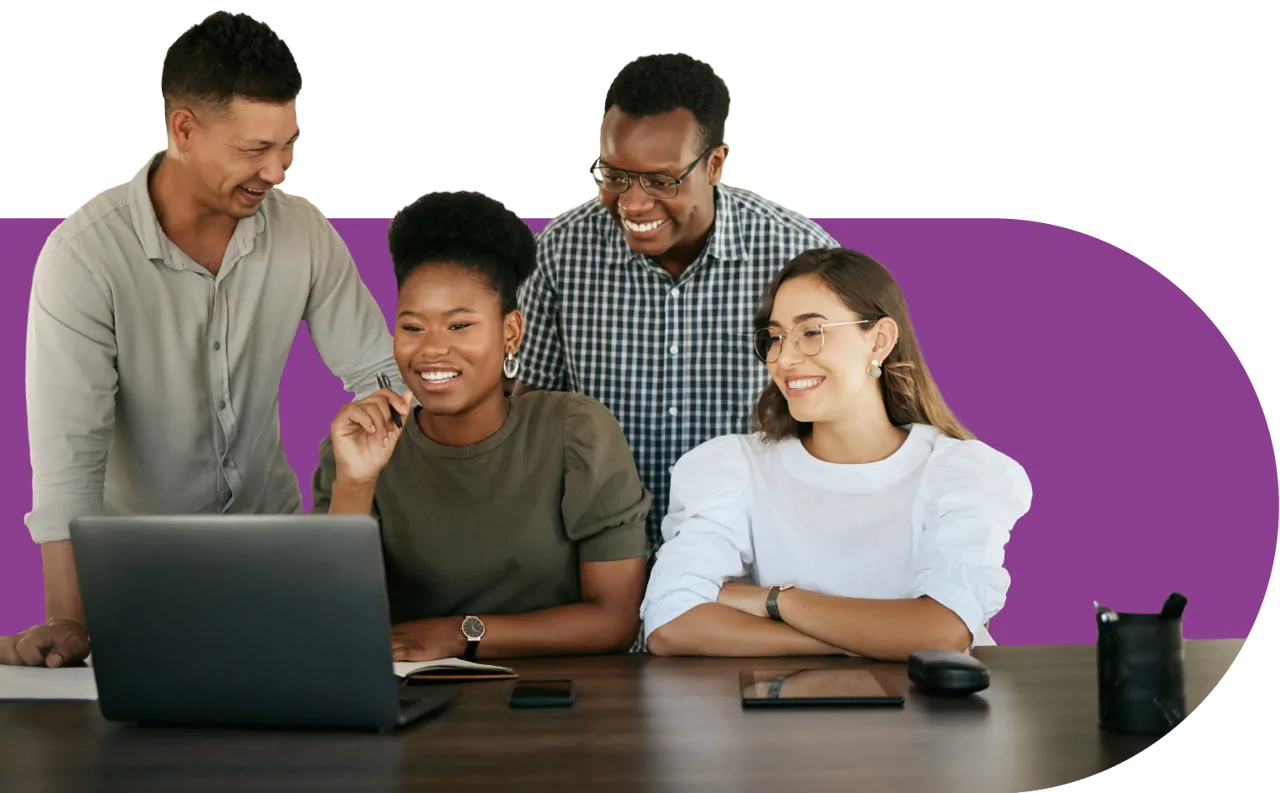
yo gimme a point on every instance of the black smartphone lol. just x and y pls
(542, 694)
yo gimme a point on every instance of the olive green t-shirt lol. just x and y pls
(500, 527)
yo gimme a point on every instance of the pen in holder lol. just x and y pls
(1140, 676)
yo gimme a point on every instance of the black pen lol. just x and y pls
(385, 382)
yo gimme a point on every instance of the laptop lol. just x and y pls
(243, 620)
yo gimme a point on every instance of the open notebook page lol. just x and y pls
(406, 668)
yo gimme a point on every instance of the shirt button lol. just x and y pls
(675, 292)
(222, 404)
(674, 411)
(675, 349)
(217, 345)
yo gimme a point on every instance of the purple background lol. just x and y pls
(1148, 451)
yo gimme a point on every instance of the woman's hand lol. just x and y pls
(428, 640)
(364, 436)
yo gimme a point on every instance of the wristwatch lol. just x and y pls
(771, 602)
(473, 629)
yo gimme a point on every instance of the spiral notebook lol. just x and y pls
(450, 669)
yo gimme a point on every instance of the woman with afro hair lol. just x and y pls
(510, 526)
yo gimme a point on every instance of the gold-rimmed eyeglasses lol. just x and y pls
(809, 337)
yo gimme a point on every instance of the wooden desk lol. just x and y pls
(640, 724)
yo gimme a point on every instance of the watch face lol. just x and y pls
(473, 628)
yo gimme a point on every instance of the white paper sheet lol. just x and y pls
(34, 682)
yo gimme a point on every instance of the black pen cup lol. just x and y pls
(1140, 676)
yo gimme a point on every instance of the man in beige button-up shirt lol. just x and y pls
(162, 313)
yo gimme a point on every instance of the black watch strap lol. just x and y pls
(470, 653)
(771, 603)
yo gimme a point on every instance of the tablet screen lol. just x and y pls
(816, 686)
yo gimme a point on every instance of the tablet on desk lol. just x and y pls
(860, 686)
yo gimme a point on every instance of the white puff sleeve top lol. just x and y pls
(931, 519)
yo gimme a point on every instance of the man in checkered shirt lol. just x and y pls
(644, 297)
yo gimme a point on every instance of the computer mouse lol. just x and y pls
(947, 673)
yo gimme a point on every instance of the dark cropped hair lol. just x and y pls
(658, 84)
(868, 290)
(228, 56)
(467, 229)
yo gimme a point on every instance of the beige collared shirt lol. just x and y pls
(152, 384)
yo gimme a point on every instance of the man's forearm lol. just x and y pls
(713, 629)
(61, 584)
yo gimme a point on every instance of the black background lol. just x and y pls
(865, 118)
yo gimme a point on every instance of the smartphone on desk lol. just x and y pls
(542, 694)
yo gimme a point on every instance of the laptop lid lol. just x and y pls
(245, 619)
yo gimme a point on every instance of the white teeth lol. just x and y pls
(642, 227)
(438, 377)
(800, 385)
(251, 190)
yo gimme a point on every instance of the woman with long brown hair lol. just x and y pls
(861, 518)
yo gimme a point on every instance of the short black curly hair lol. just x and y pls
(468, 229)
(228, 56)
(661, 83)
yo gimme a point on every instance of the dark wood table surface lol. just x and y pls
(640, 724)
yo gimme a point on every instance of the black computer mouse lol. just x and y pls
(947, 673)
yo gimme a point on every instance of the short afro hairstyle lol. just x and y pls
(658, 84)
(467, 229)
(228, 56)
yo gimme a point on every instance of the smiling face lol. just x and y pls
(236, 155)
(834, 383)
(665, 143)
(451, 338)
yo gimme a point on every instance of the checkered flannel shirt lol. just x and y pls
(670, 357)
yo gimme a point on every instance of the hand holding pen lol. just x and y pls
(365, 432)
(384, 382)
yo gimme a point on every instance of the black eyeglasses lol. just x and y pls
(658, 185)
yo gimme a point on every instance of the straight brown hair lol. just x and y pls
(867, 289)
